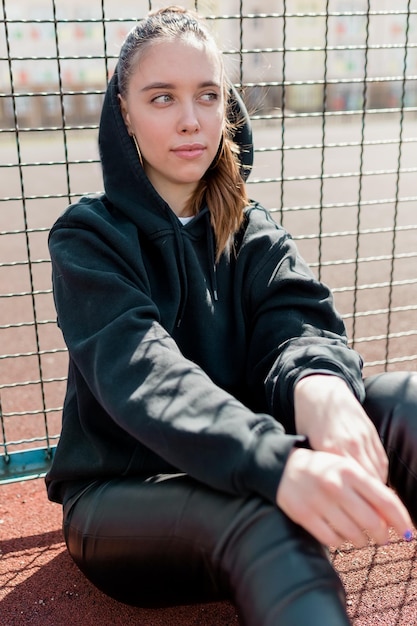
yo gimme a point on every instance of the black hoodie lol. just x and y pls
(176, 363)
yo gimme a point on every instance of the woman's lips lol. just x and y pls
(189, 151)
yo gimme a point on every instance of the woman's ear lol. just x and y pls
(124, 112)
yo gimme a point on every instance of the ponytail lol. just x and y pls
(224, 191)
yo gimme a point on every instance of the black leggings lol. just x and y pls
(170, 540)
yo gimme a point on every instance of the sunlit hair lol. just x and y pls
(222, 187)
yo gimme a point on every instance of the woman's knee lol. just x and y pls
(391, 403)
(278, 571)
(390, 391)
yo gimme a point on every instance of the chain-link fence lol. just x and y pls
(332, 90)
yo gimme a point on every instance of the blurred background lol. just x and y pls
(331, 86)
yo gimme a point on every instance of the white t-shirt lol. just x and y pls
(185, 220)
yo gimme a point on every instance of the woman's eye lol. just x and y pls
(162, 99)
(208, 97)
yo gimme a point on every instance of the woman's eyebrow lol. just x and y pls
(157, 86)
(161, 85)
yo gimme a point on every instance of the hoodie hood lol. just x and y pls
(125, 182)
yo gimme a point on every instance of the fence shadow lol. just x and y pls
(380, 582)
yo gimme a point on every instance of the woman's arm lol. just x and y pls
(294, 329)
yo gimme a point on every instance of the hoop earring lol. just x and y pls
(137, 149)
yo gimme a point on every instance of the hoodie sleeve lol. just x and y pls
(295, 330)
(134, 370)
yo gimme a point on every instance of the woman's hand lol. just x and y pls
(327, 412)
(336, 500)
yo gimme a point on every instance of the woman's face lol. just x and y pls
(175, 108)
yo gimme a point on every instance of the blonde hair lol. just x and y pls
(222, 186)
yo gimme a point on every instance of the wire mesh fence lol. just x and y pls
(332, 90)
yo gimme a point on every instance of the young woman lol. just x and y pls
(217, 432)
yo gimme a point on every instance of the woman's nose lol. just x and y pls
(188, 122)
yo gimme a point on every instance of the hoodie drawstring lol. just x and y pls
(211, 249)
(182, 268)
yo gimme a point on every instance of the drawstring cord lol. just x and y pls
(211, 250)
(183, 270)
(211, 247)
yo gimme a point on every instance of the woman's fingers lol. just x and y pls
(336, 500)
(325, 533)
(387, 506)
(366, 502)
(352, 520)
(357, 521)
(368, 510)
